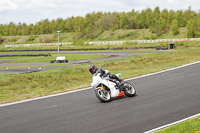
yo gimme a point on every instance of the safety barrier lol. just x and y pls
(108, 42)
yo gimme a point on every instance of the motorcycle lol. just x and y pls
(106, 89)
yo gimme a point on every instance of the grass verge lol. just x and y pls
(190, 126)
(15, 87)
(69, 57)
(29, 59)
(31, 66)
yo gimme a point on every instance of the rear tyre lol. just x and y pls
(130, 91)
(103, 95)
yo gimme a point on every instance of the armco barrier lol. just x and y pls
(108, 42)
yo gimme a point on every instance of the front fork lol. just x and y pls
(104, 90)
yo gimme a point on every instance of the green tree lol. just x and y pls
(171, 16)
(141, 19)
(131, 20)
(24, 29)
(1, 39)
(180, 18)
(155, 26)
(188, 15)
(79, 24)
(148, 13)
(60, 24)
(156, 20)
(174, 27)
(163, 21)
(190, 27)
(123, 21)
(52, 26)
(107, 22)
(19, 29)
(12, 29)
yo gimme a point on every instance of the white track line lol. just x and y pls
(59, 94)
(171, 124)
(38, 98)
(165, 70)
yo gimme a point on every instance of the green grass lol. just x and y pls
(15, 87)
(109, 35)
(47, 38)
(30, 66)
(190, 126)
(169, 35)
(134, 34)
(13, 57)
(69, 57)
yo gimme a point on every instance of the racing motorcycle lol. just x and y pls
(106, 89)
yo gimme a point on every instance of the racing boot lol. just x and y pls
(120, 85)
(122, 82)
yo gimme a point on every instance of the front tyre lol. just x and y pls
(130, 90)
(103, 95)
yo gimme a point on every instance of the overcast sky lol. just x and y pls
(32, 11)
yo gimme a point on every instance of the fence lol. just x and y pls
(108, 42)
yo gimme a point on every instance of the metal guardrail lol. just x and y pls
(108, 42)
(39, 44)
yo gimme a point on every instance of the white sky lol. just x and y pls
(32, 11)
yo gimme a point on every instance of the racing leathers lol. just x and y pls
(106, 73)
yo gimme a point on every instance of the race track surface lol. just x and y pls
(161, 99)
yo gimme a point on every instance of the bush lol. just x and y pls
(47, 40)
(180, 44)
(174, 27)
(54, 38)
(164, 45)
(32, 38)
(78, 43)
(197, 34)
(13, 39)
(130, 43)
(1, 40)
(152, 36)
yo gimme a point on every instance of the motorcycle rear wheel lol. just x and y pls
(130, 90)
(103, 95)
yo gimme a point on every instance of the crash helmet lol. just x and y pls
(93, 69)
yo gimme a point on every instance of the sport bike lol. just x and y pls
(106, 89)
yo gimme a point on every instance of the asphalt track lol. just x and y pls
(80, 52)
(161, 99)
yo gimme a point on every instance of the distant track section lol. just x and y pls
(89, 49)
(25, 54)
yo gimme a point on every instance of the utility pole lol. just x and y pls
(58, 41)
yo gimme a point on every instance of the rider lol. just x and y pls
(104, 73)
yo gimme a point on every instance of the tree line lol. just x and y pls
(93, 24)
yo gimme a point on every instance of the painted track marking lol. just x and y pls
(171, 124)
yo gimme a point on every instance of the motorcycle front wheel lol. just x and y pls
(130, 91)
(103, 95)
